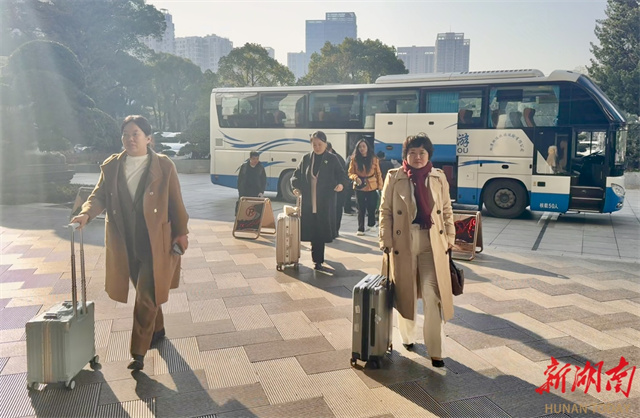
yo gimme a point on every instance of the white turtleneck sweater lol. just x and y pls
(133, 169)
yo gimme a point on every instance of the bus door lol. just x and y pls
(589, 168)
(552, 176)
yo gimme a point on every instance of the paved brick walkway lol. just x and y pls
(245, 340)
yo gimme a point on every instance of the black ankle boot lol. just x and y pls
(136, 363)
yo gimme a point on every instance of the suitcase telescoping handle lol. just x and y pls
(387, 251)
(83, 281)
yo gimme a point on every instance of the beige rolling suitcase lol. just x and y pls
(288, 237)
(60, 341)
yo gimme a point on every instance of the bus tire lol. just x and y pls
(285, 189)
(505, 198)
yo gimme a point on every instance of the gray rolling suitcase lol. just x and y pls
(372, 319)
(288, 237)
(60, 341)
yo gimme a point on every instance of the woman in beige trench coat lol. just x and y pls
(416, 226)
(145, 219)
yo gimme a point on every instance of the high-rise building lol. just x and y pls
(205, 51)
(165, 44)
(418, 59)
(336, 27)
(271, 52)
(452, 52)
(298, 63)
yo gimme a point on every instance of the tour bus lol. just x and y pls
(505, 139)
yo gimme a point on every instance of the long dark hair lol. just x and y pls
(364, 163)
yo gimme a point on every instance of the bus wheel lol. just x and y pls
(505, 198)
(286, 191)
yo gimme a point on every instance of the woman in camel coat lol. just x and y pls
(145, 218)
(416, 226)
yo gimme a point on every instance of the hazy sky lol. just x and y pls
(508, 34)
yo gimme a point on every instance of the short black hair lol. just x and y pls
(417, 141)
(254, 154)
(320, 135)
(140, 121)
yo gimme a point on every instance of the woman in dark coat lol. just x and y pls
(318, 178)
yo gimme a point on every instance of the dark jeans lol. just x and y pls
(367, 202)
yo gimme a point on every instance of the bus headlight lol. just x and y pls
(618, 190)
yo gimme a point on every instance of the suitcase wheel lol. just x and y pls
(353, 362)
(71, 384)
(32, 385)
(95, 363)
(296, 267)
(279, 267)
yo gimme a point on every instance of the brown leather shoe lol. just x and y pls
(136, 363)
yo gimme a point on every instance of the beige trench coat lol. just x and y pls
(165, 217)
(397, 212)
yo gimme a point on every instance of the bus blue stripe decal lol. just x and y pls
(468, 196)
(612, 202)
(475, 162)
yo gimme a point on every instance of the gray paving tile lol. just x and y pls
(142, 386)
(56, 401)
(265, 298)
(329, 313)
(296, 305)
(290, 348)
(139, 408)
(453, 387)
(610, 358)
(238, 338)
(203, 291)
(212, 401)
(611, 294)
(505, 306)
(179, 325)
(474, 340)
(474, 407)
(478, 321)
(528, 403)
(326, 361)
(315, 407)
(18, 316)
(611, 321)
(555, 347)
(557, 314)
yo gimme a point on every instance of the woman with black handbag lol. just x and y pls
(364, 172)
(416, 226)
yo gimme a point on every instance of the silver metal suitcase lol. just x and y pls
(288, 238)
(61, 341)
(372, 319)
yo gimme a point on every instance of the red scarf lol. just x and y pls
(418, 177)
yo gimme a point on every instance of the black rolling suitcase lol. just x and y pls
(372, 319)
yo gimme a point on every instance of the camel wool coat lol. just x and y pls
(165, 217)
(397, 212)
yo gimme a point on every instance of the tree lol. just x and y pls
(102, 34)
(177, 83)
(197, 136)
(352, 62)
(615, 65)
(251, 65)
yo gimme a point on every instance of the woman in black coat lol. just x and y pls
(318, 178)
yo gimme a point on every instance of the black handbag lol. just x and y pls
(457, 277)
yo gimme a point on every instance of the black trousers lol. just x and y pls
(340, 202)
(367, 202)
(317, 242)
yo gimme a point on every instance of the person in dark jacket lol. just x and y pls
(342, 196)
(252, 179)
(318, 178)
(385, 165)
